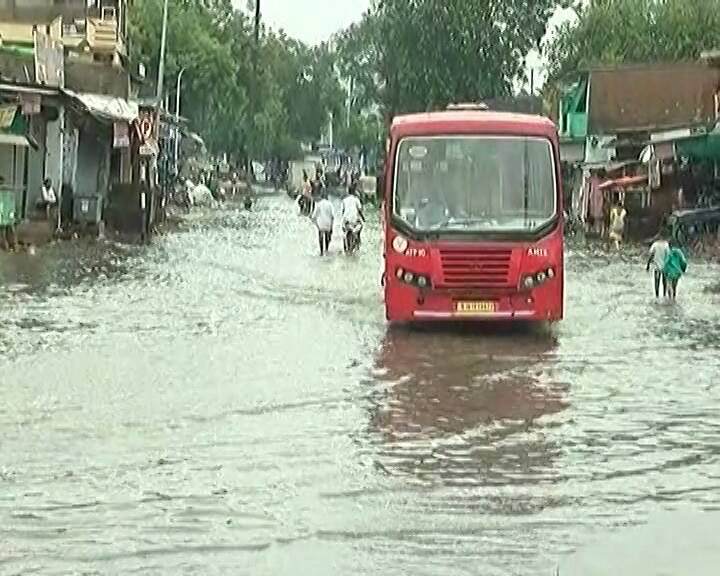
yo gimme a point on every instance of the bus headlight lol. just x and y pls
(412, 278)
(534, 280)
(399, 244)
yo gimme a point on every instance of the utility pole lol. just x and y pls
(351, 91)
(257, 22)
(163, 41)
(254, 86)
(177, 116)
(532, 81)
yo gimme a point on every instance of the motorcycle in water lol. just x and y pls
(351, 239)
(306, 204)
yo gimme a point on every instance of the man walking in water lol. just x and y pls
(323, 216)
(657, 255)
(675, 267)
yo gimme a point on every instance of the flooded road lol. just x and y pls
(226, 402)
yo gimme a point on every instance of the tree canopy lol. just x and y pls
(619, 31)
(404, 55)
(296, 87)
(414, 55)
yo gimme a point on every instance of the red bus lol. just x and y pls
(473, 217)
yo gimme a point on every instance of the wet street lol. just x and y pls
(226, 402)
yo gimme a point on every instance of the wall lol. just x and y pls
(22, 32)
(96, 78)
(7, 157)
(20, 164)
(19, 67)
(648, 96)
(54, 151)
(41, 10)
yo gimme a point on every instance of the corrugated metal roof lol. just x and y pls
(633, 98)
(107, 107)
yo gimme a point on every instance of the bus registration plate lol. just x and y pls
(475, 307)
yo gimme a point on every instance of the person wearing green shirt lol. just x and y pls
(675, 267)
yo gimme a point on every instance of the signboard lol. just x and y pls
(31, 104)
(7, 115)
(121, 135)
(149, 148)
(146, 127)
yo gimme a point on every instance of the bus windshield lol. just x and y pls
(474, 183)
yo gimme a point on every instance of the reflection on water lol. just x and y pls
(466, 409)
(67, 264)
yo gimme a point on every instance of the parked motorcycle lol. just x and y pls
(306, 204)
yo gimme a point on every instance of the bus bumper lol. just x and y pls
(542, 306)
(487, 316)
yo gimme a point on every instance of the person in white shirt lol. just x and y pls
(49, 199)
(656, 258)
(352, 215)
(324, 218)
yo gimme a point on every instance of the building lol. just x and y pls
(98, 27)
(630, 127)
(63, 71)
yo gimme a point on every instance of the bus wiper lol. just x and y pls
(472, 220)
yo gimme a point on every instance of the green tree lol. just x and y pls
(619, 31)
(433, 52)
(214, 43)
(415, 55)
(360, 130)
(358, 62)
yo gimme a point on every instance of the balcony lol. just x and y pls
(96, 35)
(103, 36)
(21, 33)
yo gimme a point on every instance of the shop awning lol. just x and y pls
(16, 133)
(624, 182)
(13, 140)
(705, 148)
(108, 108)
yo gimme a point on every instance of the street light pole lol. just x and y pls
(163, 41)
(254, 87)
(257, 21)
(177, 116)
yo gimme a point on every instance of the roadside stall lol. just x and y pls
(13, 154)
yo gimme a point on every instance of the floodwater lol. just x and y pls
(226, 402)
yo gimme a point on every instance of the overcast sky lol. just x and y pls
(314, 21)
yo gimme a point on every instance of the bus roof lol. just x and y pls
(472, 122)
